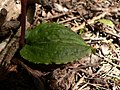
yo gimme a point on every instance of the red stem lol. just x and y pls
(23, 22)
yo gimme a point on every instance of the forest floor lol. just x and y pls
(96, 21)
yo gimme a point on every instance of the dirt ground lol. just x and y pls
(98, 71)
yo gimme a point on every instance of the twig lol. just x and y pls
(107, 60)
(109, 32)
(75, 29)
(97, 85)
(7, 54)
(78, 83)
(64, 13)
(111, 10)
(85, 85)
(59, 15)
(105, 11)
(68, 20)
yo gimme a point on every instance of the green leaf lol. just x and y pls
(53, 43)
(106, 22)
